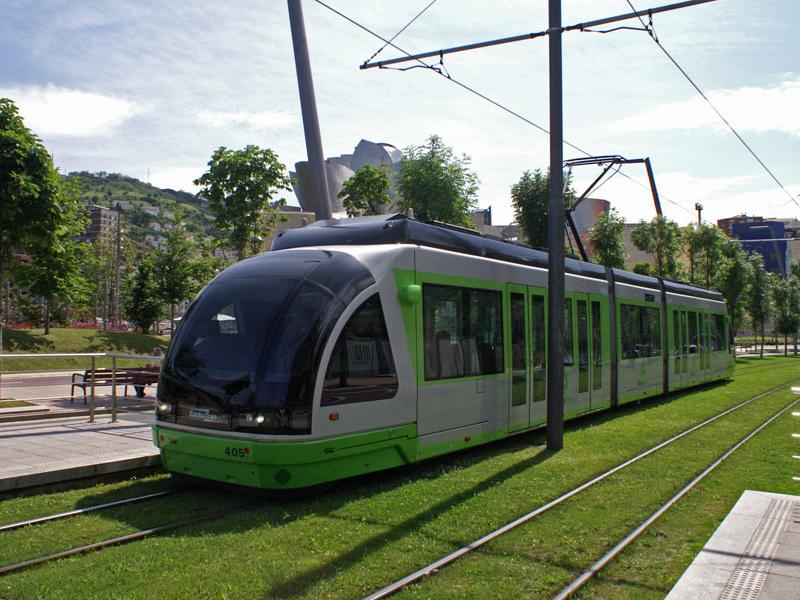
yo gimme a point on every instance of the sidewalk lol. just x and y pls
(755, 553)
(39, 453)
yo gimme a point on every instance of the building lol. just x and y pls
(339, 169)
(768, 238)
(102, 223)
(293, 217)
(153, 211)
(726, 224)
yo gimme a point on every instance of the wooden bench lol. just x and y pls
(105, 378)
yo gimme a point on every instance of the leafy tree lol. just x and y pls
(704, 245)
(30, 211)
(56, 272)
(662, 238)
(760, 294)
(731, 278)
(786, 296)
(608, 240)
(143, 303)
(366, 191)
(643, 268)
(530, 197)
(436, 184)
(176, 269)
(240, 186)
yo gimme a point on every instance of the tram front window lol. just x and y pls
(245, 355)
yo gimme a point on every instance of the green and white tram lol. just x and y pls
(363, 344)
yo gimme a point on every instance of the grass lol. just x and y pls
(64, 340)
(366, 532)
(14, 403)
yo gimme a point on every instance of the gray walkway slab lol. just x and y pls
(754, 553)
(40, 453)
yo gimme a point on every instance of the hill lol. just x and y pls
(146, 210)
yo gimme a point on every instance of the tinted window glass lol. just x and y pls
(719, 338)
(361, 367)
(569, 359)
(583, 347)
(538, 336)
(519, 377)
(641, 331)
(597, 347)
(693, 342)
(463, 331)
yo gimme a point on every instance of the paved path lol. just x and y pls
(42, 452)
(754, 554)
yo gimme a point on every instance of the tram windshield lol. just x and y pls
(247, 351)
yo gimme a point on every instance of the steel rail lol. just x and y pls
(455, 555)
(117, 541)
(81, 511)
(584, 577)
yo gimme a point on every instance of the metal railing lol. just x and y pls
(93, 355)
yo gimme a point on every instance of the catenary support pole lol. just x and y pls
(555, 242)
(308, 106)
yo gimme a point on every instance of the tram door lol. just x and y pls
(528, 357)
(679, 348)
(588, 362)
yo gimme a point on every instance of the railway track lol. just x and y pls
(392, 588)
(438, 564)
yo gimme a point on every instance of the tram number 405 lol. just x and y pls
(236, 452)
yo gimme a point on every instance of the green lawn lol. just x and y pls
(62, 340)
(14, 403)
(364, 533)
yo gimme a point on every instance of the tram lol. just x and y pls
(358, 345)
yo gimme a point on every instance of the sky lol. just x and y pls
(150, 89)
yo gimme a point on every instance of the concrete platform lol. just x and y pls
(40, 453)
(755, 553)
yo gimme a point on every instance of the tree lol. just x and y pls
(662, 238)
(143, 302)
(176, 269)
(704, 245)
(366, 192)
(29, 190)
(436, 184)
(530, 197)
(55, 272)
(786, 296)
(760, 294)
(608, 240)
(731, 278)
(240, 186)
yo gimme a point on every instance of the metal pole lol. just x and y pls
(699, 208)
(653, 188)
(113, 389)
(91, 396)
(308, 106)
(555, 243)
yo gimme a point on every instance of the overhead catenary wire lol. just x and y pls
(406, 26)
(651, 32)
(435, 68)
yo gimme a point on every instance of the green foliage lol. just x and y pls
(436, 184)
(143, 303)
(704, 248)
(786, 298)
(643, 268)
(608, 240)
(366, 192)
(55, 272)
(760, 294)
(176, 269)
(240, 186)
(662, 238)
(30, 211)
(731, 278)
(530, 197)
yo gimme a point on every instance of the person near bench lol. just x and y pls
(153, 367)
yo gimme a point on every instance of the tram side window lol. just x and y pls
(641, 331)
(361, 367)
(719, 335)
(463, 331)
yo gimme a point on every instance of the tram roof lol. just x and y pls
(401, 229)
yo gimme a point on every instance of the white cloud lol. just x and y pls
(756, 109)
(268, 119)
(55, 111)
(176, 178)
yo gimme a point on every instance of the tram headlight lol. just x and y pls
(260, 419)
(163, 407)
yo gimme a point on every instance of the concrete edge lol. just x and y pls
(79, 472)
